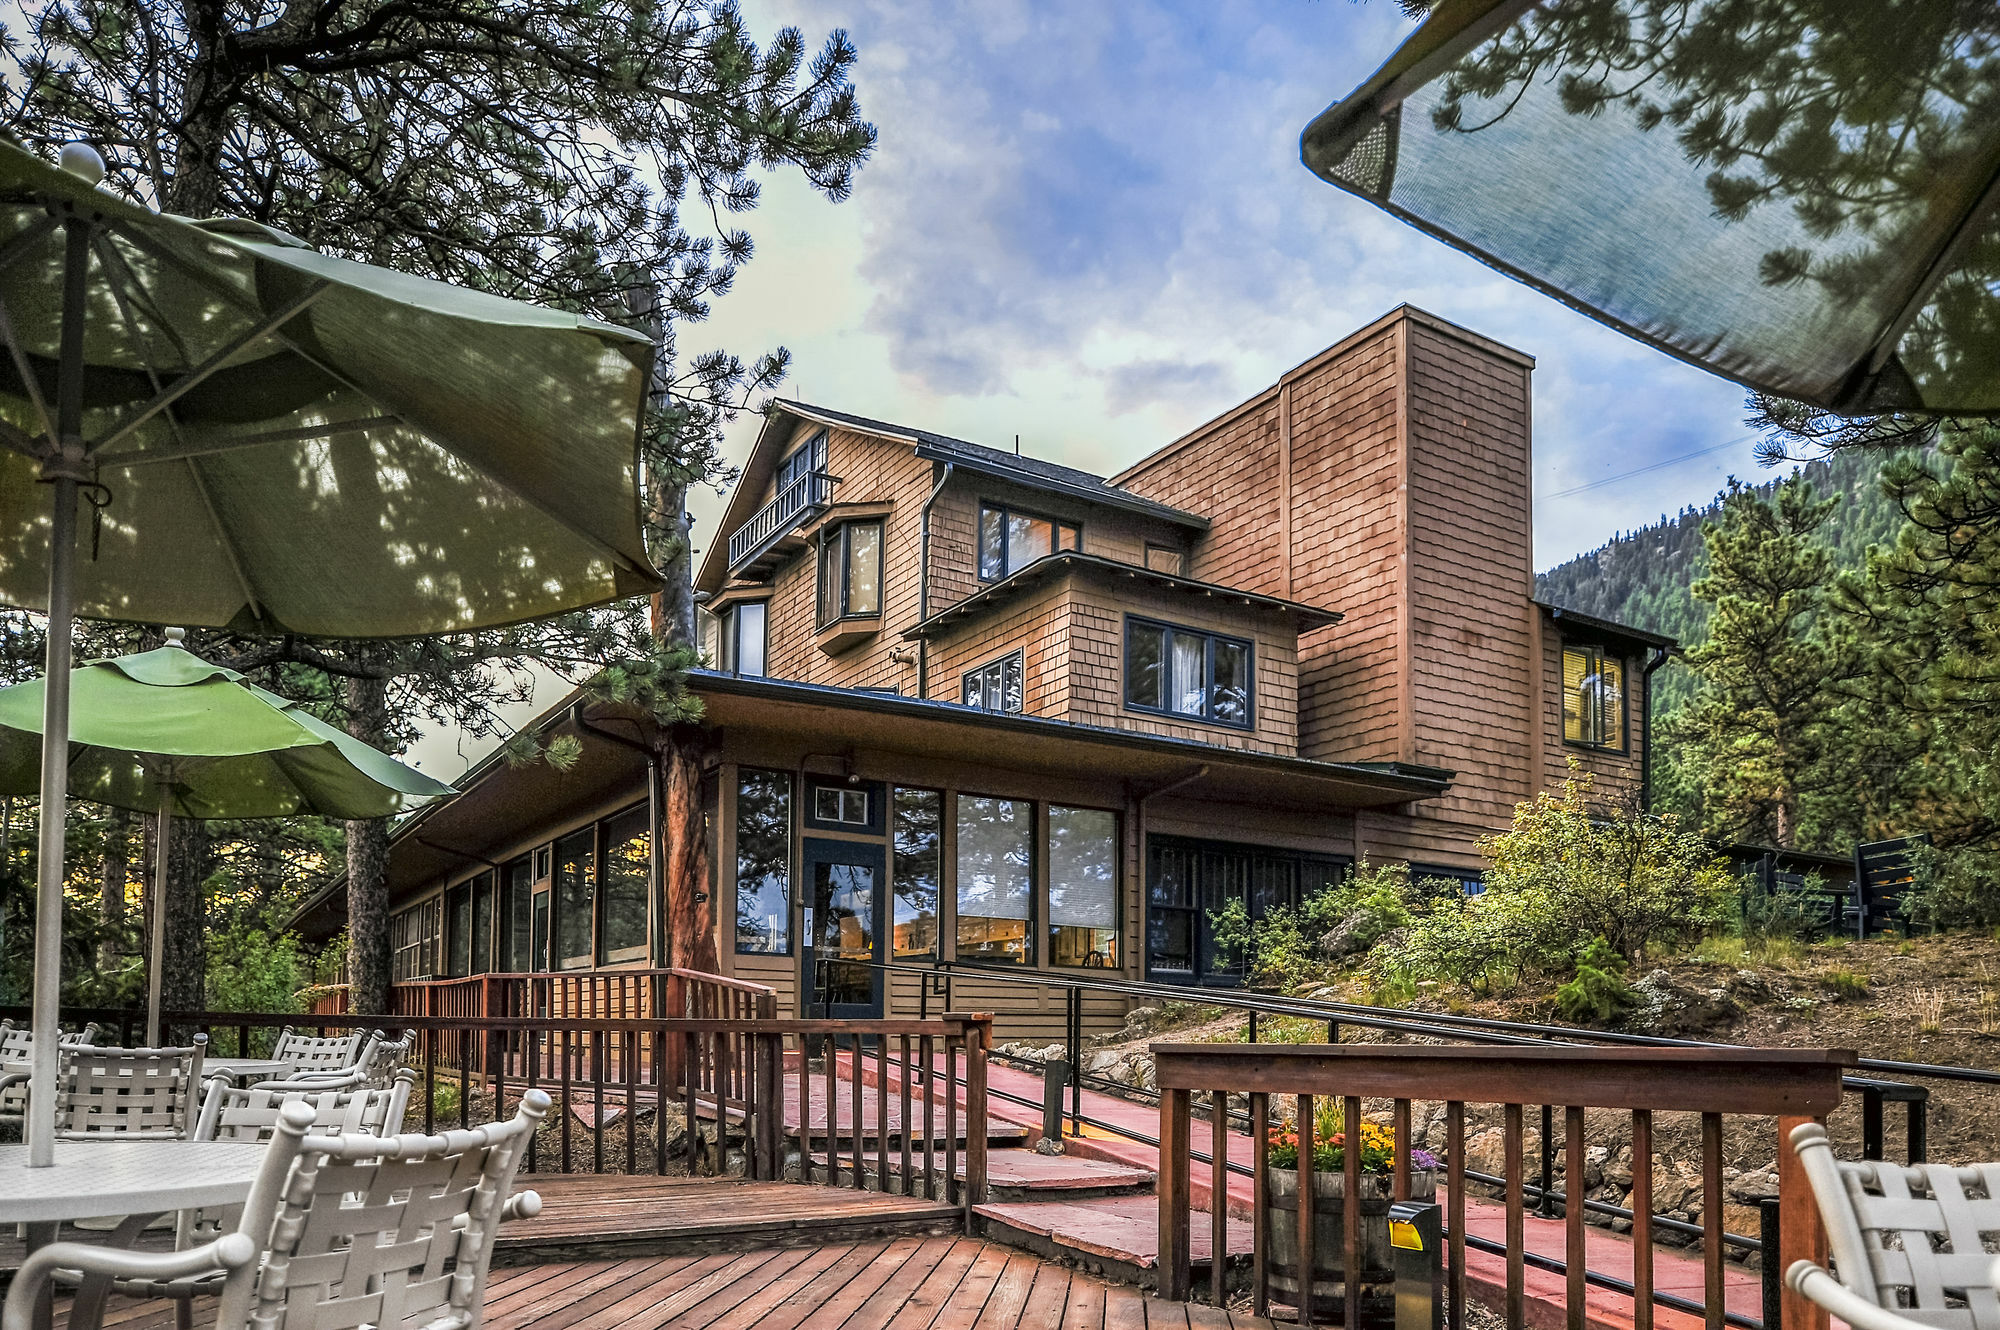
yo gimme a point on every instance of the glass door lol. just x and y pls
(844, 927)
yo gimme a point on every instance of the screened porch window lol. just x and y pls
(763, 862)
(1593, 697)
(624, 885)
(996, 879)
(1083, 887)
(517, 895)
(575, 874)
(919, 860)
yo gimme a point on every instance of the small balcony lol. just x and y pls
(770, 537)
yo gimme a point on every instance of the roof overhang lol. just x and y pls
(1074, 563)
(1590, 626)
(1102, 496)
(840, 718)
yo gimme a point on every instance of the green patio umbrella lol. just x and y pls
(1800, 195)
(279, 441)
(167, 733)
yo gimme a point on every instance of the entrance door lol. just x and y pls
(844, 928)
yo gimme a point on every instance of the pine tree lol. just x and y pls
(541, 149)
(1760, 735)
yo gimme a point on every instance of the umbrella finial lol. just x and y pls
(83, 161)
(177, 637)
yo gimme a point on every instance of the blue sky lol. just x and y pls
(1086, 224)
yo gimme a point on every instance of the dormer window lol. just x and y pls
(740, 630)
(1010, 540)
(850, 572)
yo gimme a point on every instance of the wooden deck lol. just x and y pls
(908, 1283)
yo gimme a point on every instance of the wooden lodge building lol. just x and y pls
(975, 707)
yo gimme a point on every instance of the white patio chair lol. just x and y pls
(316, 1053)
(339, 1231)
(142, 1092)
(17, 1044)
(376, 1067)
(1908, 1243)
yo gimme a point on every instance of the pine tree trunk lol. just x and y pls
(368, 868)
(690, 906)
(114, 880)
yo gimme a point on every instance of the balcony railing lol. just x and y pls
(796, 503)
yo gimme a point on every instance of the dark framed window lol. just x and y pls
(740, 630)
(763, 862)
(1188, 674)
(413, 940)
(1010, 540)
(517, 894)
(1166, 559)
(1593, 697)
(1189, 880)
(850, 572)
(575, 892)
(458, 930)
(841, 805)
(1083, 887)
(624, 884)
(835, 804)
(483, 903)
(796, 467)
(543, 862)
(918, 847)
(996, 685)
(996, 879)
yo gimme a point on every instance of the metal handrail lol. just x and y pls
(809, 491)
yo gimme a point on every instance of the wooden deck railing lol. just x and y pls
(773, 1099)
(1788, 1084)
(589, 993)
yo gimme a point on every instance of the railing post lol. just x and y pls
(1175, 1195)
(1801, 1232)
(978, 1041)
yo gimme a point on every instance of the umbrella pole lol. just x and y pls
(49, 863)
(155, 961)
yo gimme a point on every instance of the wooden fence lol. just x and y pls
(1791, 1085)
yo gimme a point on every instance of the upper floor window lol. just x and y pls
(1175, 671)
(850, 572)
(801, 462)
(741, 634)
(996, 685)
(1009, 541)
(1593, 697)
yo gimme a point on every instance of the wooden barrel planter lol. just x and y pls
(1329, 1259)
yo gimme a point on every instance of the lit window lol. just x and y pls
(850, 572)
(834, 803)
(994, 686)
(1186, 673)
(1083, 887)
(624, 885)
(575, 889)
(1593, 697)
(1009, 541)
(1166, 559)
(763, 862)
(996, 879)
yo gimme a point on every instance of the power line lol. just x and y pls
(1656, 466)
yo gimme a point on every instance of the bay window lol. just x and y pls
(850, 572)
(1187, 673)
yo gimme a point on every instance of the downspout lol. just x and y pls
(1660, 655)
(655, 867)
(1139, 807)
(924, 584)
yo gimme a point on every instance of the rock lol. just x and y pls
(1676, 1188)
(1100, 1063)
(1749, 986)
(1048, 1146)
(1594, 1159)
(1350, 937)
(1744, 1221)
(1618, 1168)
(1669, 1007)
(1486, 1152)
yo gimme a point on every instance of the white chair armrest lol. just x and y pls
(522, 1205)
(229, 1252)
(1818, 1286)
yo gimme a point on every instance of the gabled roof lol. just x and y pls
(1028, 472)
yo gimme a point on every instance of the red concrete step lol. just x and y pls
(1117, 1237)
(1011, 1175)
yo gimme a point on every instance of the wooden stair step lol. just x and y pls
(1116, 1236)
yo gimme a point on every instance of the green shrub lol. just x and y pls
(252, 970)
(1598, 994)
(1786, 916)
(1844, 983)
(1952, 889)
(444, 1100)
(1565, 871)
(1285, 948)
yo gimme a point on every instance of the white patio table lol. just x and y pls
(139, 1180)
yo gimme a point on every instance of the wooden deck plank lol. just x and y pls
(633, 1276)
(901, 1284)
(962, 1308)
(747, 1311)
(640, 1298)
(801, 1301)
(1047, 1300)
(1201, 1316)
(1124, 1308)
(935, 1293)
(867, 1282)
(770, 1267)
(1010, 1293)
(1085, 1307)
(1164, 1315)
